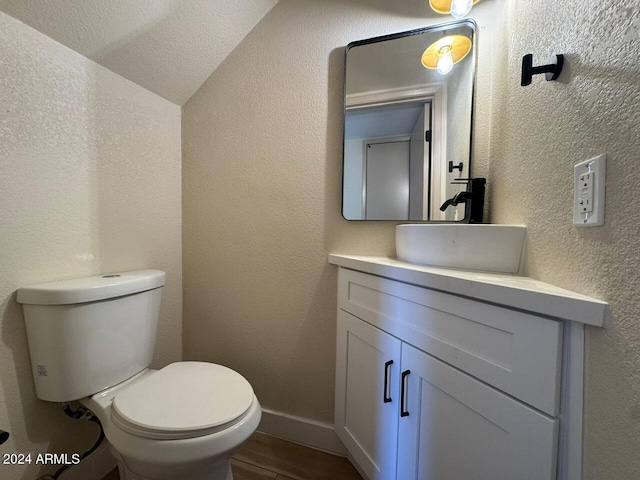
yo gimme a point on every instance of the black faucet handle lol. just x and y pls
(473, 183)
(473, 198)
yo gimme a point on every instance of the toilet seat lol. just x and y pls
(183, 400)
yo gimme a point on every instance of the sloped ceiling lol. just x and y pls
(167, 46)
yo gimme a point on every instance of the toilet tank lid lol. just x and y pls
(90, 289)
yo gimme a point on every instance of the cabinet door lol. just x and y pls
(460, 428)
(367, 389)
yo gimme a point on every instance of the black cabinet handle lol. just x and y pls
(404, 412)
(386, 398)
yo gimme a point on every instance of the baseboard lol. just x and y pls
(95, 466)
(304, 431)
(357, 466)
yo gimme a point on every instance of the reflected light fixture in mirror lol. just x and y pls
(457, 8)
(446, 52)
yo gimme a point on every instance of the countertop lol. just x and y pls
(513, 291)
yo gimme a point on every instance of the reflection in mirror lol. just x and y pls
(407, 132)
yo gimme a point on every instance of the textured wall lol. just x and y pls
(169, 47)
(262, 163)
(89, 183)
(543, 130)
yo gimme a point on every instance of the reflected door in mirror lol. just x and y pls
(386, 188)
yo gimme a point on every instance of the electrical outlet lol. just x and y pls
(585, 192)
(588, 192)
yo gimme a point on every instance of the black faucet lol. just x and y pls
(473, 199)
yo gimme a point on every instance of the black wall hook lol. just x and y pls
(551, 70)
(453, 167)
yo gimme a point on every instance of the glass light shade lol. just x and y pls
(460, 8)
(446, 7)
(445, 60)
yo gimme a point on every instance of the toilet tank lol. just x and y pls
(90, 333)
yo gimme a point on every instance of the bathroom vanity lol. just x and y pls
(452, 374)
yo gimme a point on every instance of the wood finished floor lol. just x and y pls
(264, 457)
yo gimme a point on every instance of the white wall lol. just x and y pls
(89, 183)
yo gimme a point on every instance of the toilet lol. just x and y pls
(92, 340)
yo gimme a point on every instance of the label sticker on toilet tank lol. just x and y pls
(42, 370)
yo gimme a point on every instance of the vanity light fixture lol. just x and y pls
(446, 52)
(457, 8)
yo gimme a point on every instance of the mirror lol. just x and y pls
(407, 132)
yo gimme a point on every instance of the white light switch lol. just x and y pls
(588, 192)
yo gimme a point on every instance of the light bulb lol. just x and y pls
(460, 8)
(445, 60)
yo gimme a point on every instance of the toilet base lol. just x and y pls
(219, 471)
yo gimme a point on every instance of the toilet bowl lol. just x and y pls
(194, 441)
(156, 430)
(92, 340)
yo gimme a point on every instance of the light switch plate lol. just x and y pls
(588, 192)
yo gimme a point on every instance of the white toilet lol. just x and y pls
(92, 339)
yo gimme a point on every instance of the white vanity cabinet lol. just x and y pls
(432, 385)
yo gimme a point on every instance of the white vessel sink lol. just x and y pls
(492, 248)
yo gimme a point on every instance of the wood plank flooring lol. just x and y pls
(112, 475)
(264, 457)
